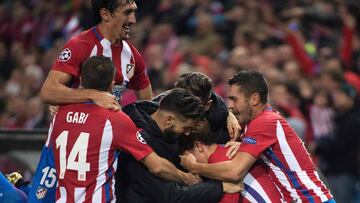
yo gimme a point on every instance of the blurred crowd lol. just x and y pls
(309, 51)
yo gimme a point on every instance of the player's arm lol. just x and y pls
(166, 170)
(232, 171)
(145, 94)
(54, 91)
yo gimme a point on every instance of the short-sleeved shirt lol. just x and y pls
(130, 66)
(258, 187)
(84, 140)
(270, 138)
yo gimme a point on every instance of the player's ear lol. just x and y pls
(111, 86)
(198, 146)
(208, 105)
(255, 99)
(105, 14)
(169, 119)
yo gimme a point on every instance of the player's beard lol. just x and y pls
(170, 133)
(244, 116)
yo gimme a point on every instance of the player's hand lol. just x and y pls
(233, 148)
(106, 100)
(191, 179)
(233, 187)
(233, 126)
(53, 110)
(187, 161)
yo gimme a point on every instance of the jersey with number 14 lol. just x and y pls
(84, 139)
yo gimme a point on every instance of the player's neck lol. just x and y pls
(258, 110)
(158, 118)
(212, 148)
(106, 32)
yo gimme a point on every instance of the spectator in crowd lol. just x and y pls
(340, 152)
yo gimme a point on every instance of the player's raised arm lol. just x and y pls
(54, 91)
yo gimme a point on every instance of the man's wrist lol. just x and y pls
(183, 177)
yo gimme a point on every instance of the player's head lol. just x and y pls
(97, 72)
(119, 15)
(198, 142)
(180, 112)
(198, 84)
(248, 91)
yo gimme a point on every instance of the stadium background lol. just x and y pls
(309, 51)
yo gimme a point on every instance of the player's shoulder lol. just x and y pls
(119, 116)
(83, 40)
(264, 120)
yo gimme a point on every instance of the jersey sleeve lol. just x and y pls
(71, 57)
(128, 138)
(260, 135)
(140, 80)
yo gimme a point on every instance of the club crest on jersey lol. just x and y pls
(130, 70)
(41, 192)
(140, 138)
(65, 55)
(249, 140)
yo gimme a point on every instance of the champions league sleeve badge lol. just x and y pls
(65, 55)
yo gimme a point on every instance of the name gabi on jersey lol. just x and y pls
(76, 117)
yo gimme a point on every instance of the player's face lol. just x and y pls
(122, 19)
(239, 104)
(180, 127)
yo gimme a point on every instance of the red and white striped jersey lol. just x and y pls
(258, 186)
(270, 138)
(84, 139)
(130, 66)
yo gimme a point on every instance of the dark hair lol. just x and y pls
(97, 72)
(182, 102)
(197, 83)
(201, 134)
(110, 5)
(251, 81)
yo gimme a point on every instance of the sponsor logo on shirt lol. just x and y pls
(140, 138)
(249, 140)
(41, 192)
(65, 55)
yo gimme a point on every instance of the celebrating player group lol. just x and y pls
(185, 145)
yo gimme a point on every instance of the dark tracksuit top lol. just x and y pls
(135, 183)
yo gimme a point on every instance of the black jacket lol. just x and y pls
(340, 154)
(134, 182)
(216, 116)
